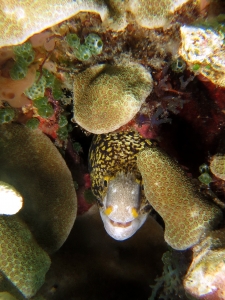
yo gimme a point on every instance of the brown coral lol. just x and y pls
(187, 215)
(33, 166)
(217, 166)
(20, 20)
(107, 97)
(22, 261)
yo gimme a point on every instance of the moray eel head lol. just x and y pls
(121, 209)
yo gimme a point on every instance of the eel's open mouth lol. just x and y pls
(119, 224)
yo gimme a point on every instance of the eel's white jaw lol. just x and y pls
(121, 207)
(122, 231)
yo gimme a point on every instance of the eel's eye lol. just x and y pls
(105, 183)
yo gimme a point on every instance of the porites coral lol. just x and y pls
(107, 97)
(173, 195)
(34, 167)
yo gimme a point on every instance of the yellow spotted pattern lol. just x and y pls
(107, 97)
(186, 213)
(113, 153)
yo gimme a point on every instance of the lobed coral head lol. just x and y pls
(173, 195)
(107, 97)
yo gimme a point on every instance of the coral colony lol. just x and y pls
(129, 73)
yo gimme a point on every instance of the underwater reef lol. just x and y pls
(112, 147)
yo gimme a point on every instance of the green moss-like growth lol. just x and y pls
(73, 40)
(62, 133)
(33, 123)
(45, 110)
(54, 84)
(18, 71)
(62, 121)
(24, 56)
(37, 90)
(205, 178)
(178, 65)
(77, 147)
(24, 53)
(94, 43)
(6, 115)
(83, 53)
(169, 285)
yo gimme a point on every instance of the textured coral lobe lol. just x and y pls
(107, 97)
(19, 20)
(217, 166)
(205, 278)
(34, 167)
(22, 261)
(187, 215)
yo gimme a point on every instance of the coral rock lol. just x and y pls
(107, 97)
(203, 50)
(217, 166)
(173, 195)
(34, 167)
(205, 278)
(22, 261)
(20, 20)
(154, 13)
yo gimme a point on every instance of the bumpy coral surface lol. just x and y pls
(217, 166)
(107, 97)
(22, 261)
(20, 20)
(187, 215)
(154, 13)
(203, 50)
(206, 275)
(33, 166)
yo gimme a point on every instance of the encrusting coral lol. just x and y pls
(203, 50)
(205, 277)
(34, 167)
(217, 165)
(20, 20)
(176, 199)
(154, 13)
(107, 97)
(22, 260)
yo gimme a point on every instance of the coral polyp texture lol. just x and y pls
(206, 275)
(203, 50)
(20, 20)
(173, 195)
(34, 167)
(22, 260)
(107, 97)
(154, 13)
(217, 165)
